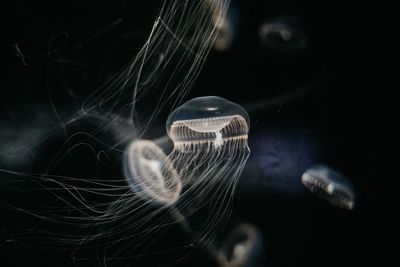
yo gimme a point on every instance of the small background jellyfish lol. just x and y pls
(21, 142)
(282, 36)
(330, 185)
(242, 248)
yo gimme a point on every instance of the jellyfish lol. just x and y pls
(282, 35)
(150, 173)
(330, 185)
(206, 123)
(243, 247)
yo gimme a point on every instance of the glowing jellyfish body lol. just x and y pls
(282, 35)
(150, 174)
(243, 248)
(207, 120)
(330, 185)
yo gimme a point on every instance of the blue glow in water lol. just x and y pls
(278, 161)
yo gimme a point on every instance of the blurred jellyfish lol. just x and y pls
(19, 146)
(330, 185)
(226, 25)
(243, 248)
(152, 176)
(282, 35)
(150, 173)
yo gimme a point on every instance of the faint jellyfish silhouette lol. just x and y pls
(330, 185)
(226, 25)
(21, 146)
(282, 35)
(243, 248)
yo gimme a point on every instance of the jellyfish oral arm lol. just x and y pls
(218, 140)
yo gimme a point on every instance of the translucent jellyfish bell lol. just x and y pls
(283, 35)
(329, 184)
(150, 174)
(209, 119)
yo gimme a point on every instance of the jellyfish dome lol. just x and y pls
(150, 174)
(283, 35)
(330, 185)
(207, 120)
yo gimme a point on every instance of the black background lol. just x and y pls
(345, 110)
